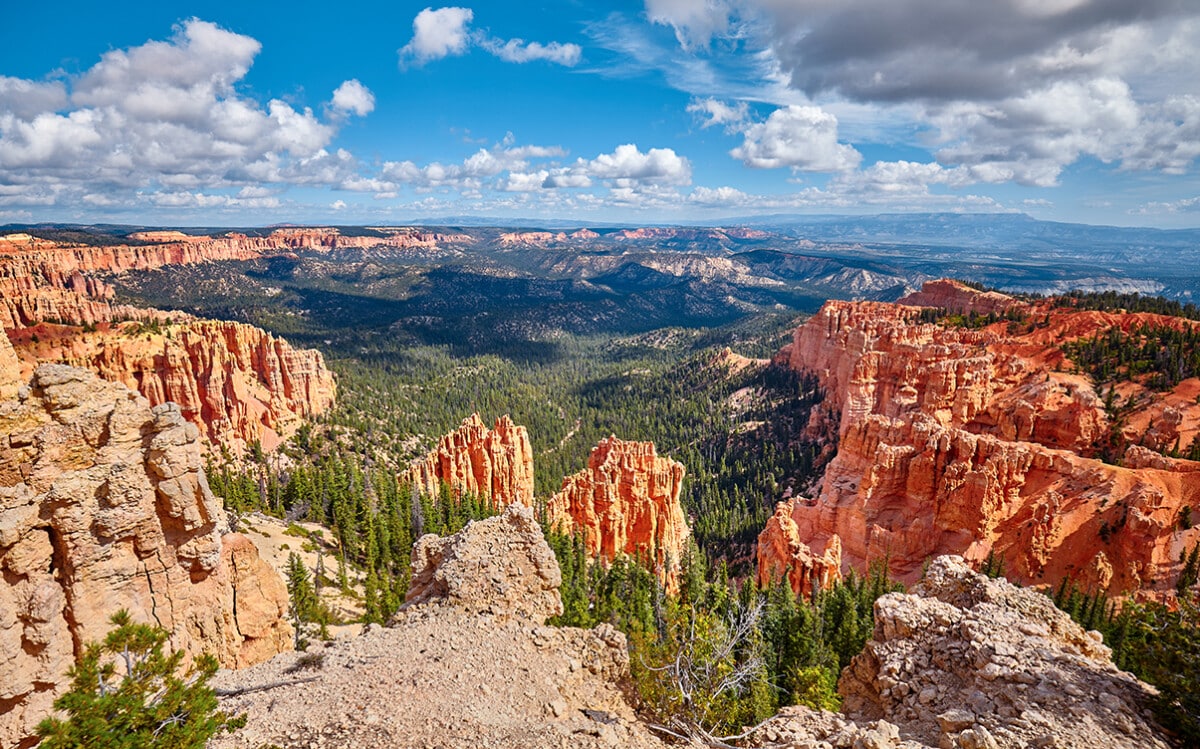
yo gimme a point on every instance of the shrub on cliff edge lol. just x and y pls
(126, 693)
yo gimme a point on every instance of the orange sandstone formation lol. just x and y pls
(783, 556)
(626, 502)
(496, 464)
(967, 442)
(235, 382)
(104, 506)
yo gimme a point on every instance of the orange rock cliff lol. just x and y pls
(964, 441)
(104, 506)
(496, 464)
(626, 502)
(235, 382)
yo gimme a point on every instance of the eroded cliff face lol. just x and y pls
(626, 502)
(494, 464)
(235, 382)
(970, 441)
(104, 506)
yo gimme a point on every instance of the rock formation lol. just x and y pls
(626, 502)
(236, 382)
(103, 506)
(468, 662)
(972, 441)
(783, 556)
(494, 464)
(465, 570)
(964, 661)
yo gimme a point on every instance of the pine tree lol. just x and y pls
(304, 607)
(126, 693)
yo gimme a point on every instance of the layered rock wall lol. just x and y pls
(626, 502)
(494, 464)
(969, 442)
(235, 382)
(104, 506)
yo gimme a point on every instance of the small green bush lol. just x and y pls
(126, 693)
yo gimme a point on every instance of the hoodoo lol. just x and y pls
(494, 464)
(626, 502)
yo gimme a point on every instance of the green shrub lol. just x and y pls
(126, 693)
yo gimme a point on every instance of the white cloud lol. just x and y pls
(437, 34)
(165, 114)
(804, 138)
(720, 196)
(525, 182)
(446, 32)
(1031, 138)
(900, 178)
(695, 21)
(712, 112)
(484, 164)
(28, 98)
(1184, 205)
(627, 165)
(519, 51)
(338, 205)
(354, 97)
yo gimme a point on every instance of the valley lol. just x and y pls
(703, 421)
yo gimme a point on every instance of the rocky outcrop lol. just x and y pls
(467, 662)
(964, 661)
(501, 566)
(494, 464)
(955, 296)
(104, 506)
(626, 502)
(974, 441)
(782, 556)
(235, 382)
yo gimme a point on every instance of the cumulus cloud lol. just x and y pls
(510, 168)
(353, 97)
(166, 114)
(446, 32)
(1013, 91)
(484, 164)
(804, 138)
(720, 196)
(627, 166)
(900, 178)
(437, 34)
(28, 98)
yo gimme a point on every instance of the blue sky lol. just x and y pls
(212, 113)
